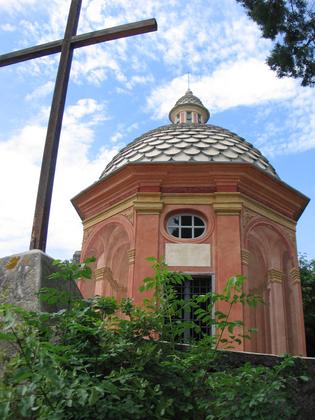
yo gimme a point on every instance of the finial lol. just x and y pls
(188, 81)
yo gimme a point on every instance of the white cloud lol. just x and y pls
(189, 37)
(300, 126)
(41, 91)
(7, 27)
(116, 137)
(94, 63)
(15, 5)
(20, 164)
(123, 131)
(138, 80)
(249, 82)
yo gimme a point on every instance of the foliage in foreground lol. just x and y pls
(292, 24)
(86, 362)
(307, 272)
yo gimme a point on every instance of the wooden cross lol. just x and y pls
(66, 47)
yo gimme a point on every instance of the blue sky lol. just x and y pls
(124, 88)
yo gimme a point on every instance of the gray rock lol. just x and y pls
(23, 275)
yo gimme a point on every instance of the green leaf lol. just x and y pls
(7, 336)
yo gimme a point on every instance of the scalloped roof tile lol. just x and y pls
(189, 143)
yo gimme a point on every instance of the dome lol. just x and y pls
(189, 139)
(198, 143)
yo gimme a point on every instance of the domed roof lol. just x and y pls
(188, 102)
(184, 142)
(189, 98)
(189, 139)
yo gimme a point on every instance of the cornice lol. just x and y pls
(200, 180)
(223, 203)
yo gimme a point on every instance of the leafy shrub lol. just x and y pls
(87, 362)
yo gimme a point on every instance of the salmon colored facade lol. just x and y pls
(250, 219)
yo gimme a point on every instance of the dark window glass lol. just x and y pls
(186, 226)
(188, 117)
(198, 232)
(198, 221)
(186, 220)
(186, 232)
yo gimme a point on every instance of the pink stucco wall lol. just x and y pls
(240, 242)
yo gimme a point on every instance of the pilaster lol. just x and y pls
(297, 316)
(279, 344)
(228, 253)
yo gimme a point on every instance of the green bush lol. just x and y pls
(87, 362)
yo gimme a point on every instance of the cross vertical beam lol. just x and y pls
(47, 174)
(65, 46)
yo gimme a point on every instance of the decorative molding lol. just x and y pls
(227, 204)
(128, 214)
(270, 214)
(187, 198)
(99, 273)
(294, 276)
(105, 274)
(148, 208)
(227, 209)
(223, 203)
(291, 235)
(245, 256)
(275, 276)
(86, 234)
(247, 216)
(148, 203)
(131, 256)
(113, 211)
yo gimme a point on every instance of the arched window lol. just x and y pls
(185, 226)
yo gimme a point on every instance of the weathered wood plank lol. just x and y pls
(77, 41)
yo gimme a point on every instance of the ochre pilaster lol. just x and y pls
(245, 256)
(227, 203)
(131, 256)
(99, 281)
(148, 203)
(275, 276)
(294, 276)
(297, 316)
(279, 341)
(99, 273)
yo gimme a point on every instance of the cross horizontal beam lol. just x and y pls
(109, 34)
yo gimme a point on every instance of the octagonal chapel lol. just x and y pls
(213, 206)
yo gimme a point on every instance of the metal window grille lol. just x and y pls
(199, 285)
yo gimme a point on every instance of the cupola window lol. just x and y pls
(188, 117)
(185, 226)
